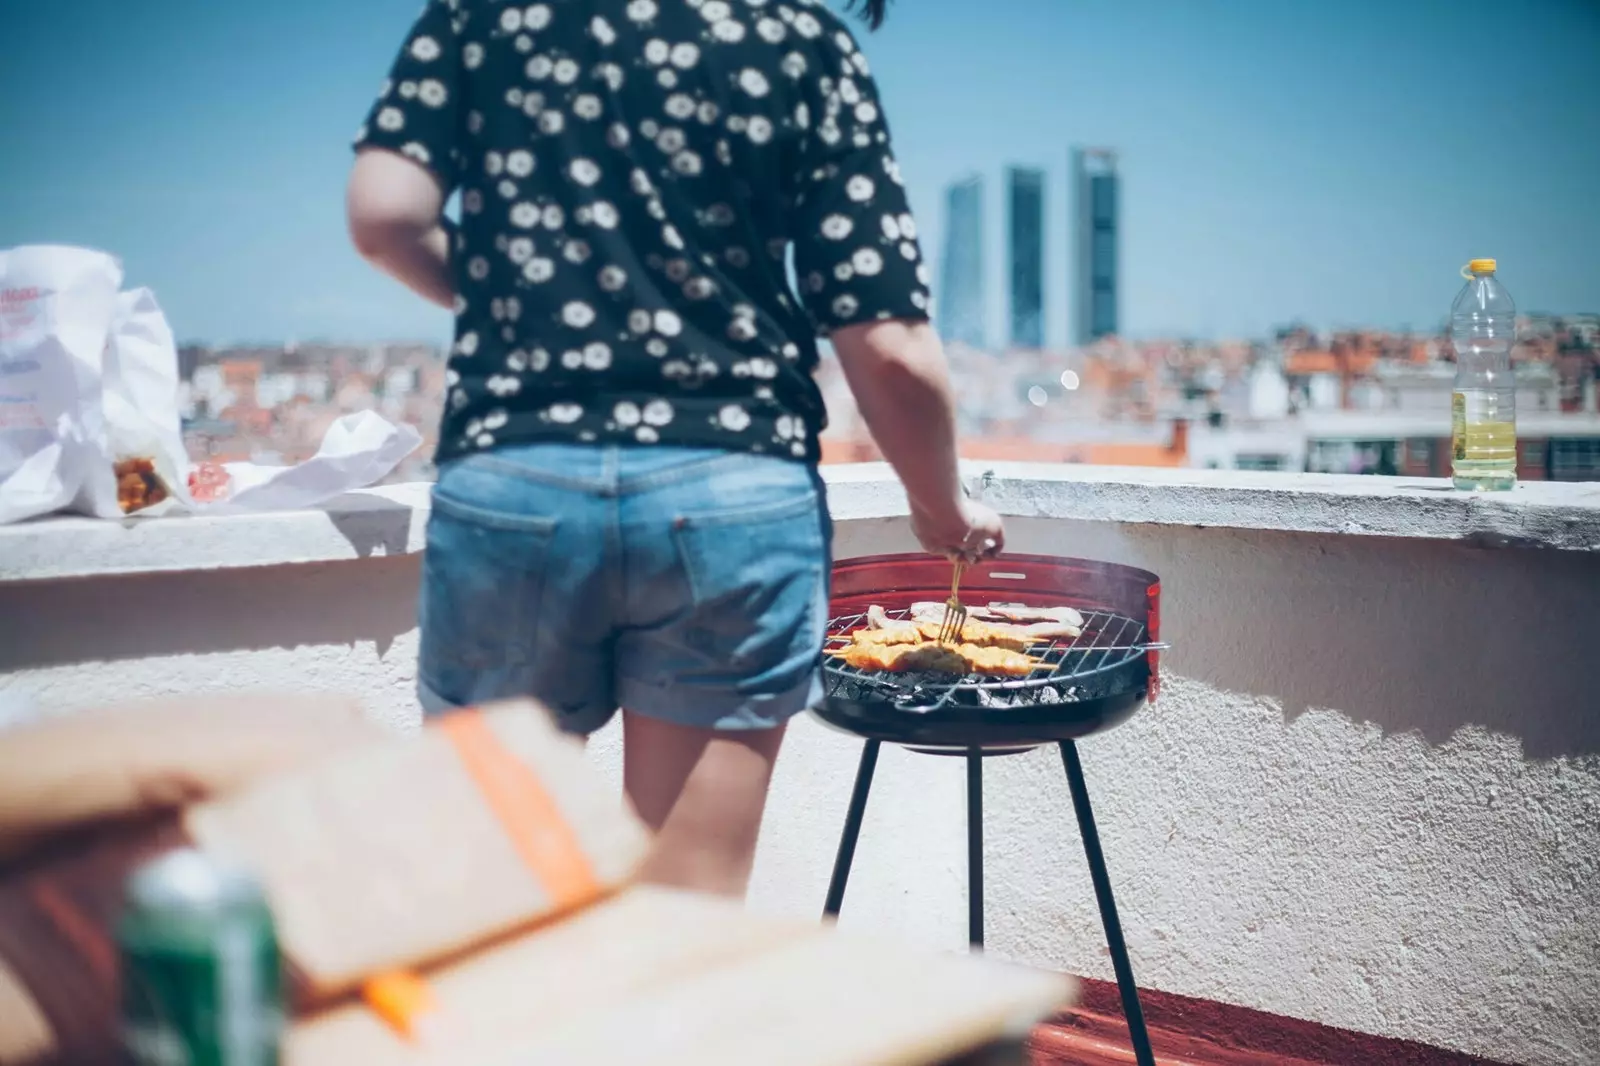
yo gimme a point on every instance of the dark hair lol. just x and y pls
(870, 10)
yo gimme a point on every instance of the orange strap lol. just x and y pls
(529, 816)
(403, 1000)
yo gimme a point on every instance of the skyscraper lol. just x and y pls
(1025, 226)
(1095, 246)
(961, 275)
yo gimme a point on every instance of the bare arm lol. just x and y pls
(395, 211)
(897, 371)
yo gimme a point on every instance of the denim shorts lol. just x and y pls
(685, 584)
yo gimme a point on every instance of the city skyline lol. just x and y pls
(1288, 162)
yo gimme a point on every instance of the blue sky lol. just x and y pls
(1332, 162)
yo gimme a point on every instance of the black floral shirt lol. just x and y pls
(634, 176)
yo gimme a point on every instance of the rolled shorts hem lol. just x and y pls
(728, 712)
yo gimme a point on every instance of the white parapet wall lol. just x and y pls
(1368, 795)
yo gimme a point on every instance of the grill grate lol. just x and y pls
(1070, 670)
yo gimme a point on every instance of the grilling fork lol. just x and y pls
(955, 614)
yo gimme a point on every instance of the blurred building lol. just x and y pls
(1095, 235)
(1025, 228)
(961, 293)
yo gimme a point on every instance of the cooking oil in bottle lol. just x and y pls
(1483, 408)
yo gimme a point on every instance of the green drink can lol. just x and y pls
(201, 983)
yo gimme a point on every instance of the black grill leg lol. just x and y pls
(975, 849)
(1108, 906)
(852, 829)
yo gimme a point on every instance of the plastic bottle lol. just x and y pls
(1483, 407)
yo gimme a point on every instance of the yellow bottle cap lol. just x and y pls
(1482, 266)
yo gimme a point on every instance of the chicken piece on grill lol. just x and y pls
(883, 630)
(960, 659)
(1032, 633)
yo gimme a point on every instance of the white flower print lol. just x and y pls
(802, 115)
(537, 17)
(417, 152)
(626, 414)
(602, 30)
(667, 79)
(657, 51)
(815, 282)
(742, 329)
(539, 360)
(472, 56)
(553, 216)
(605, 215)
(514, 97)
(891, 167)
(837, 227)
(649, 128)
(540, 67)
(584, 171)
(785, 426)
(520, 250)
(525, 216)
(737, 123)
(680, 105)
(806, 25)
(861, 139)
(565, 413)
(738, 258)
(676, 369)
(613, 278)
(859, 188)
(597, 355)
(532, 104)
(539, 270)
(866, 112)
(891, 227)
(503, 385)
(670, 140)
(678, 269)
(425, 49)
(728, 30)
(519, 164)
(908, 250)
(753, 82)
(715, 11)
(671, 237)
(407, 90)
(552, 123)
(655, 210)
(760, 129)
(617, 135)
(920, 300)
(524, 43)
(924, 276)
(848, 91)
(566, 71)
(846, 305)
(642, 10)
(867, 262)
(639, 320)
(511, 20)
(467, 344)
(699, 288)
(707, 112)
(724, 154)
(472, 202)
(733, 418)
(828, 130)
(587, 106)
(391, 119)
(657, 347)
(794, 65)
(639, 181)
(572, 359)
(687, 163)
(908, 227)
(657, 413)
(844, 271)
(771, 30)
(611, 74)
(685, 55)
(668, 324)
(646, 435)
(583, 214)
(859, 60)
(719, 215)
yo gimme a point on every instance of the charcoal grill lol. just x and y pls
(1083, 686)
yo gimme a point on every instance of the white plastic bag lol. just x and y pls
(56, 306)
(358, 450)
(144, 433)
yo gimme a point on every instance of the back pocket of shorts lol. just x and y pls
(483, 576)
(754, 577)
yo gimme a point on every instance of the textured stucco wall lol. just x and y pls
(1369, 795)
